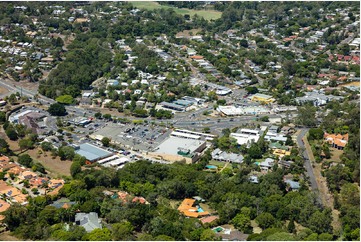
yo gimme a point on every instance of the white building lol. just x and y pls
(246, 136)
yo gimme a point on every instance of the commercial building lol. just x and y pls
(91, 152)
(246, 136)
(80, 121)
(177, 149)
(262, 98)
(317, 98)
(236, 111)
(173, 106)
(189, 134)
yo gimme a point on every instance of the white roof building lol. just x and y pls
(246, 136)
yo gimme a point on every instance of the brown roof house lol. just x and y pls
(337, 141)
(189, 209)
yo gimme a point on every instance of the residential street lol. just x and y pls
(307, 155)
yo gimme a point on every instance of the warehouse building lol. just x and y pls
(91, 152)
(178, 149)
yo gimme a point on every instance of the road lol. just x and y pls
(308, 165)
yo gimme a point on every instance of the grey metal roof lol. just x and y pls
(173, 144)
(88, 220)
(92, 152)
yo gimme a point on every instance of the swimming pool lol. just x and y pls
(211, 167)
(200, 210)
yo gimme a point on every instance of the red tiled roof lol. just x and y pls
(208, 219)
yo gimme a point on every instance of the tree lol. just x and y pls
(206, 130)
(11, 133)
(66, 153)
(107, 116)
(242, 222)
(26, 144)
(243, 43)
(265, 220)
(105, 141)
(98, 115)
(320, 222)
(2, 117)
(265, 119)
(306, 116)
(15, 216)
(254, 151)
(315, 134)
(46, 146)
(57, 109)
(163, 237)
(79, 158)
(98, 235)
(123, 231)
(325, 237)
(208, 235)
(4, 146)
(25, 160)
(252, 90)
(291, 226)
(75, 168)
(65, 99)
(281, 236)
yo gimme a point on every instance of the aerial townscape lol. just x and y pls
(180, 120)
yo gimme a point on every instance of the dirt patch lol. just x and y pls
(56, 167)
(256, 229)
(188, 33)
(6, 236)
(356, 84)
(3, 91)
(335, 155)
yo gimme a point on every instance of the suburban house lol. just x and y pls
(89, 221)
(3, 207)
(337, 141)
(292, 185)
(266, 164)
(62, 203)
(189, 209)
(220, 155)
(281, 153)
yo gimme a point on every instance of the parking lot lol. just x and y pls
(140, 137)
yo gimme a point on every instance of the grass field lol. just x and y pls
(206, 14)
(220, 164)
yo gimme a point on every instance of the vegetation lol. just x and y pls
(57, 109)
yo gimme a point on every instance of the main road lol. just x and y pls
(308, 165)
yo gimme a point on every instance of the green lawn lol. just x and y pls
(206, 14)
(220, 164)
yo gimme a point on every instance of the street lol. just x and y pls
(308, 165)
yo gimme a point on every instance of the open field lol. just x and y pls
(206, 14)
(56, 167)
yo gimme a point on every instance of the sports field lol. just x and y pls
(206, 14)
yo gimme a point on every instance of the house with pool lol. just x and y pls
(190, 209)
